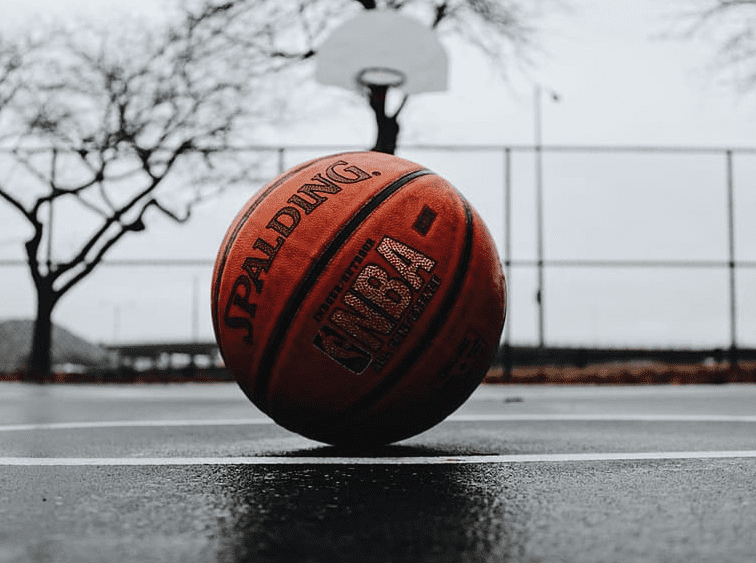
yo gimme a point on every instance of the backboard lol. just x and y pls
(380, 43)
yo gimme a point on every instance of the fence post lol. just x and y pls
(731, 262)
(507, 359)
(281, 160)
(539, 236)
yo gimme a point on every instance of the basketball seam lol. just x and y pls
(435, 326)
(270, 356)
(224, 252)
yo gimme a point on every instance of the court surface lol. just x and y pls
(195, 473)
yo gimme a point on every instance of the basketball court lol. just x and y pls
(196, 473)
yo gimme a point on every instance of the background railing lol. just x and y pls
(603, 246)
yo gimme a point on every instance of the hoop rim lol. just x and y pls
(380, 76)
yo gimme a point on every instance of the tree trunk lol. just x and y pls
(387, 125)
(388, 131)
(40, 358)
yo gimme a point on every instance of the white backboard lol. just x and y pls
(383, 39)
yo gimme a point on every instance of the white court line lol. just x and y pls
(452, 418)
(602, 417)
(420, 460)
(134, 424)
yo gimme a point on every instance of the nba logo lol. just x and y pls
(342, 349)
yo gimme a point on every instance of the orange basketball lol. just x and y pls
(358, 299)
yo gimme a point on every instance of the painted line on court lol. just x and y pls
(419, 460)
(452, 418)
(602, 418)
(134, 424)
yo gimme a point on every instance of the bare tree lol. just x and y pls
(105, 120)
(731, 26)
(102, 121)
(16, 58)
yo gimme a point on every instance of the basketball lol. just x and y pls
(358, 299)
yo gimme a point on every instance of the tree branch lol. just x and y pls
(114, 219)
(136, 225)
(401, 106)
(19, 206)
(171, 214)
(89, 266)
(733, 22)
(442, 11)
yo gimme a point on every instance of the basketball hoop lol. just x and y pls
(381, 48)
(380, 76)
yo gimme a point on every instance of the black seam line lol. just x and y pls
(224, 253)
(259, 393)
(393, 379)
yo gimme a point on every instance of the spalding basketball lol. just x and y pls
(358, 299)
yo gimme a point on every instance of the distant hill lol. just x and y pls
(15, 344)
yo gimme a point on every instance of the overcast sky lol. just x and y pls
(620, 82)
(621, 78)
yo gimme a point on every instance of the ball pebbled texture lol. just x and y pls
(358, 299)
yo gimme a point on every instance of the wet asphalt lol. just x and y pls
(598, 510)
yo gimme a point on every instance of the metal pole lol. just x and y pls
(281, 160)
(195, 309)
(507, 231)
(116, 323)
(539, 213)
(508, 260)
(731, 249)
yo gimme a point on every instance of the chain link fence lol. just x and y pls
(645, 247)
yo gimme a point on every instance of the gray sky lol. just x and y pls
(620, 83)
